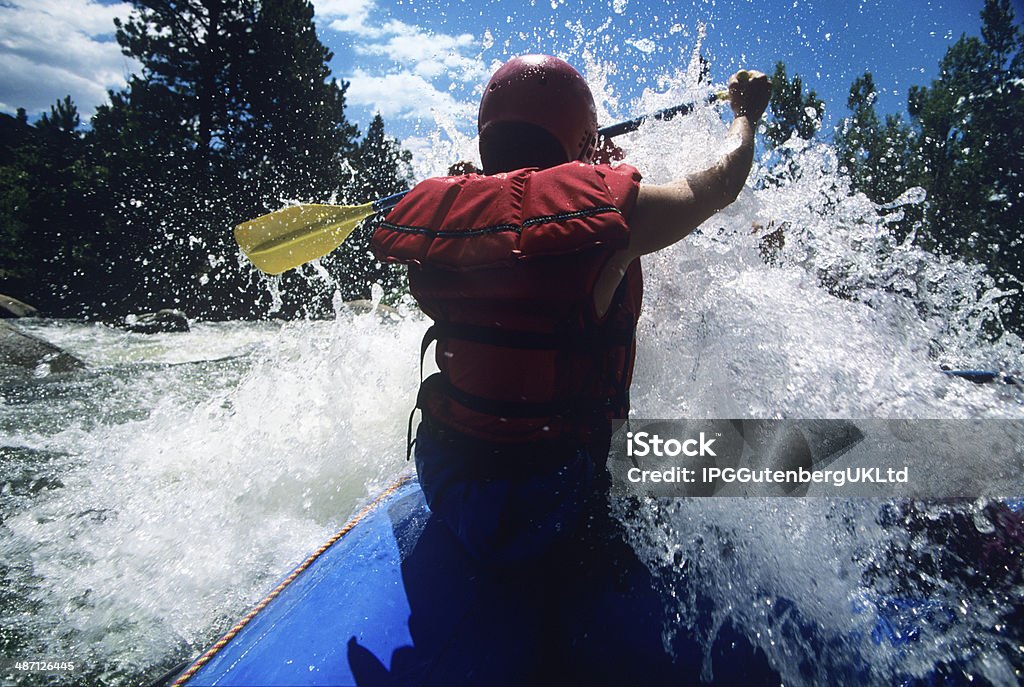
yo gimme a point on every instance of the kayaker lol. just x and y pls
(531, 274)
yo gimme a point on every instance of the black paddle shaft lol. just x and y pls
(613, 130)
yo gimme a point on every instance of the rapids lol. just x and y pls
(147, 502)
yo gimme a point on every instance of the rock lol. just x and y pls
(361, 307)
(25, 351)
(158, 322)
(12, 307)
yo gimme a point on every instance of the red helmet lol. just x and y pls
(548, 93)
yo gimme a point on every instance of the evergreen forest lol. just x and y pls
(235, 113)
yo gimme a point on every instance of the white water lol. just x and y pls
(186, 487)
(148, 501)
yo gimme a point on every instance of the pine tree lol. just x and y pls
(381, 168)
(166, 140)
(14, 196)
(293, 136)
(51, 212)
(63, 117)
(971, 123)
(191, 50)
(233, 113)
(881, 158)
(792, 111)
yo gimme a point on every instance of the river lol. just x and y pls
(148, 500)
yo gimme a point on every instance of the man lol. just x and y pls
(531, 274)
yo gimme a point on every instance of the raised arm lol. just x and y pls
(667, 213)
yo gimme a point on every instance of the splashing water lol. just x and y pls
(838, 320)
(148, 501)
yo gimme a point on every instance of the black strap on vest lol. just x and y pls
(583, 409)
(587, 341)
(520, 409)
(471, 232)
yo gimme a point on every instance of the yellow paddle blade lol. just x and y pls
(292, 236)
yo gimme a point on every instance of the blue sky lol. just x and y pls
(422, 63)
(828, 43)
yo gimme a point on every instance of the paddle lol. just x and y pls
(286, 238)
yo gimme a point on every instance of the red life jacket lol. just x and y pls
(506, 265)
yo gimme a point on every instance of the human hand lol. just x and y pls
(749, 93)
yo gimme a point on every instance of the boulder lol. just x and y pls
(159, 322)
(25, 351)
(362, 307)
(12, 307)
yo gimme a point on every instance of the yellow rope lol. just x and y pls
(222, 642)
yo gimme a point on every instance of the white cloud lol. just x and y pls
(406, 95)
(410, 73)
(347, 16)
(52, 48)
(429, 54)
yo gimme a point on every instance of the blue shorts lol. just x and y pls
(504, 519)
(599, 613)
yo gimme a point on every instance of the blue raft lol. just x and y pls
(348, 593)
(392, 599)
